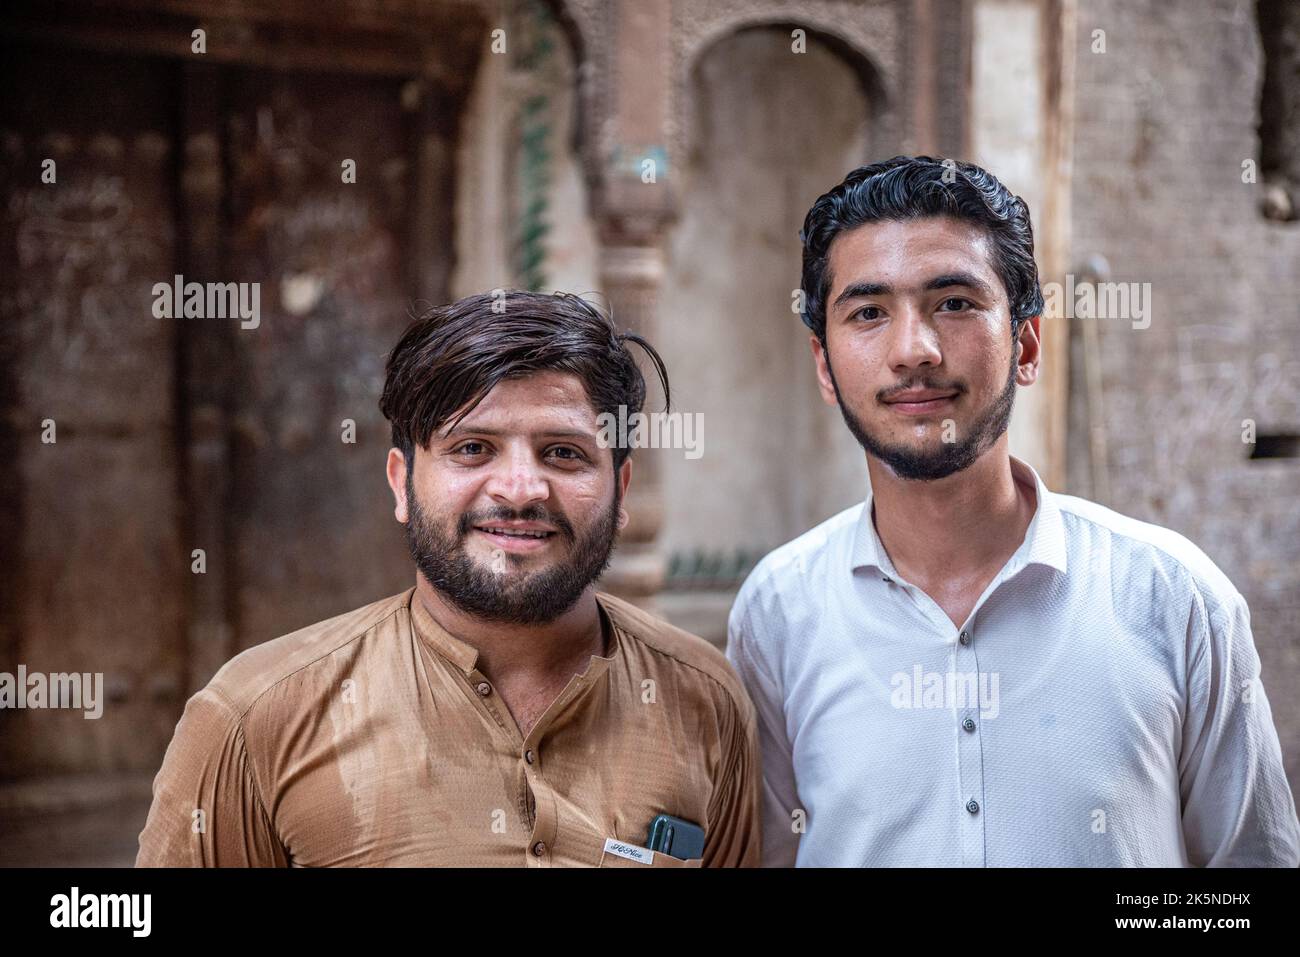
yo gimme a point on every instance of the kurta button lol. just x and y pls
(968, 724)
(964, 637)
(484, 688)
(973, 806)
(528, 756)
(539, 849)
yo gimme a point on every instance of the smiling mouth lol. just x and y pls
(513, 533)
(919, 405)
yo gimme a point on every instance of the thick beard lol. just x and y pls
(950, 457)
(533, 599)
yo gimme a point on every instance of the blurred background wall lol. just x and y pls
(210, 487)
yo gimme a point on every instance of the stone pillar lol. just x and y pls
(631, 272)
(632, 206)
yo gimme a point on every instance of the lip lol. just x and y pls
(514, 543)
(921, 402)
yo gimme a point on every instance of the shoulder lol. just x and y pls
(789, 566)
(676, 649)
(1150, 560)
(250, 674)
(792, 572)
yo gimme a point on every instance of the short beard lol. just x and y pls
(534, 599)
(950, 457)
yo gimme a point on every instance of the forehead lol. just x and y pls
(904, 253)
(535, 403)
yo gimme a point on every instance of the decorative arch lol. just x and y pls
(866, 39)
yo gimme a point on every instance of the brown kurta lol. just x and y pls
(371, 739)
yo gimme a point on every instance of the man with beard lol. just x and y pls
(968, 669)
(502, 711)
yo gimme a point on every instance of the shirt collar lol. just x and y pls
(1044, 542)
(465, 656)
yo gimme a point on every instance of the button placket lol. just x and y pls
(482, 692)
(546, 824)
(545, 814)
(970, 754)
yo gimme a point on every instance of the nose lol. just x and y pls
(913, 342)
(517, 479)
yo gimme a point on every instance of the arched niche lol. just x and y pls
(769, 131)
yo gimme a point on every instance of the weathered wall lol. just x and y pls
(1165, 118)
(311, 525)
(99, 524)
(92, 560)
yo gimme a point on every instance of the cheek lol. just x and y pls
(583, 499)
(993, 362)
(854, 360)
(446, 494)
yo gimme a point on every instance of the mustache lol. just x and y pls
(533, 513)
(884, 395)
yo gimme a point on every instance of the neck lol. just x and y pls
(506, 649)
(956, 526)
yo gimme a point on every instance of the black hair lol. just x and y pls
(452, 356)
(911, 187)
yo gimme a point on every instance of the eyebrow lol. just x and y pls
(543, 433)
(859, 290)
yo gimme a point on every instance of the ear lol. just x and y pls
(397, 482)
(823, 371)
(1031, 351)
(624, 477)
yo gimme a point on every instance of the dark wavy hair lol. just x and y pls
(911, 187)
(449, 359)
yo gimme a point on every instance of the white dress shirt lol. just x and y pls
(1101, 706)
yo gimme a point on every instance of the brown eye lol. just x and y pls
(868, 313)
(567, 453)
(955, 304)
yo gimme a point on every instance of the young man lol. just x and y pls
(502, 711)
(969, 669)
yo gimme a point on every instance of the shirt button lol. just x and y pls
(964, 637)
(539, 849)
(968, 724)
(484, 688)
(973, 806)
(528, 756)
